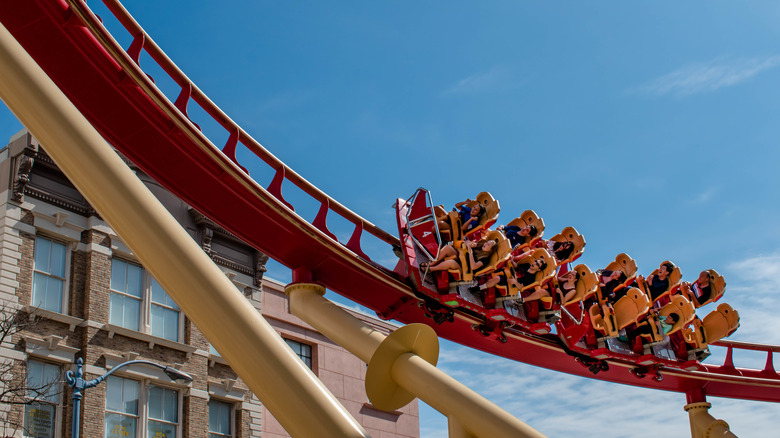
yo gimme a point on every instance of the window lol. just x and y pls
(302, 350)
(128, 413)
(219, 419)
(48, 275)
(43, 391)
(138, 302)
(121, 407)
(165, 314)
(163, 412)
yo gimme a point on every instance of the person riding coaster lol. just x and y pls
(566, 246)
(463, 261)
(468, 220)
(524, 278)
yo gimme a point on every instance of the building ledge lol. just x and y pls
(71, 321)
(215, 359)
(50, 347)
(149, 339)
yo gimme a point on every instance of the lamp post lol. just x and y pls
(77, 382)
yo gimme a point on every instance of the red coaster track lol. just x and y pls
(106, 83)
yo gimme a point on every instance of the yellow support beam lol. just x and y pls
(294, 395)
(411, 364)
(704, 425)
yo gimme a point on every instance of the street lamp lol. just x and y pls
(76, 381)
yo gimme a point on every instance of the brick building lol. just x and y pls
(74, 290)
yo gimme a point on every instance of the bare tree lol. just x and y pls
(21, 394)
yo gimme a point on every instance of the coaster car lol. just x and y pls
(531, 309)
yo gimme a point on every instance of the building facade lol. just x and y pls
(72, 289)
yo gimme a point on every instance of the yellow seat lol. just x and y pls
(570, 234)
(679, 305)
(501, 256)
(717, 285)
(466, 273)
(453, 219)
(586, 286)
(492, 208)
(627, 310)
(623, 262)
(529, 217)
(718, 324)
(542, 276)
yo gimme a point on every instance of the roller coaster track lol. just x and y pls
(109, 87)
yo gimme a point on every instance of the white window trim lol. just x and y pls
(144, 319)
(149, 339)
(72, 321)
(58, 407)
(226, 390)
(233, 408)
(313, 346)
(143, 403)
(50, 348)
(70, 246)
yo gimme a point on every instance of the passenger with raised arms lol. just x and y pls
(479, 256)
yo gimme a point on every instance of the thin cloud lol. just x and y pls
(753, 286)
(705, 196)
(701, 78)
(562, 405)
(498, 78)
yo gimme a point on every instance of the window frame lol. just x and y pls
(144, 386)
(58, 405)
(232, 415)
(145, 317)
(312, 351)
(65, 293)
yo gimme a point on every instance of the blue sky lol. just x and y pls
(651, 127)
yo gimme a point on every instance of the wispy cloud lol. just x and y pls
(284, 101)
(705, 196)
(700, 78)
(561, 405)
(753, 288)
(498, 78)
